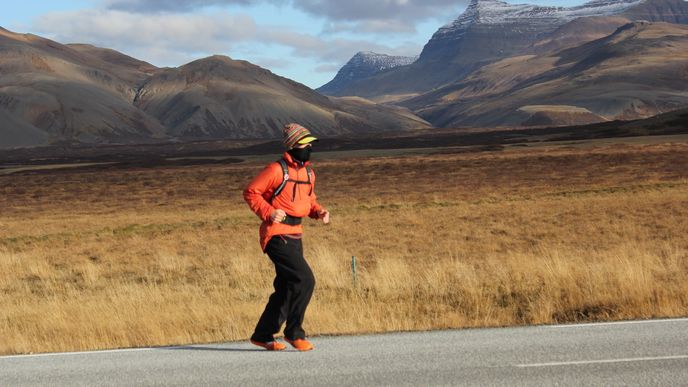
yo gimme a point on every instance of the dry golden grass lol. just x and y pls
(106, 257)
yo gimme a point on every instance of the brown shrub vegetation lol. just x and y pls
(108, 257)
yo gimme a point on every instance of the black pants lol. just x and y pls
(294, 283)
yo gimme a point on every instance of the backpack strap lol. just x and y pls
(309, 170)
(285, 178)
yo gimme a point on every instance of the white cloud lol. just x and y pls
(334, 10)
(353, 10)
(380, 27)
(157, 6)
(167, 39)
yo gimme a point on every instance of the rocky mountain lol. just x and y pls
(363, 65)
(54, 93)
(638, 71)
(492, 30)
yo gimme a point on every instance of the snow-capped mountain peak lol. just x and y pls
(500, 12)
(380, 62)
(362, 65)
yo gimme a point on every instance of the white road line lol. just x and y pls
(75, 353)
(582, 362)
(668, 320)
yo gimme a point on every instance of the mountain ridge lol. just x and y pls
(491, 30)
(52, 93)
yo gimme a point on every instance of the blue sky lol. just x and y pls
(305, 40)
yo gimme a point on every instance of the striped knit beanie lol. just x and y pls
(296, 134)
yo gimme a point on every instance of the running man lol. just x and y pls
(281, 195)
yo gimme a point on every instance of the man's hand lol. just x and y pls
(277, 216)
(324, 215)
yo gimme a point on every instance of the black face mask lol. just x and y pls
(301, 154)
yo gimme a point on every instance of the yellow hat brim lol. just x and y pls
(307, 140)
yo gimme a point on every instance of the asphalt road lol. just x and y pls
(647, 353)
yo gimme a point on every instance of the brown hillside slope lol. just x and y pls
(125, 67)
(578, 31)
(52, 93)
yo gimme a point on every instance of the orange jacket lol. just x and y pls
(259, 192)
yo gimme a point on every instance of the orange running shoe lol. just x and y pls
(300, 344)
(270, 345)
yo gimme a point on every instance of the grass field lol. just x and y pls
(105, 257)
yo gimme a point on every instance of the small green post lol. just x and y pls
(353, 268)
